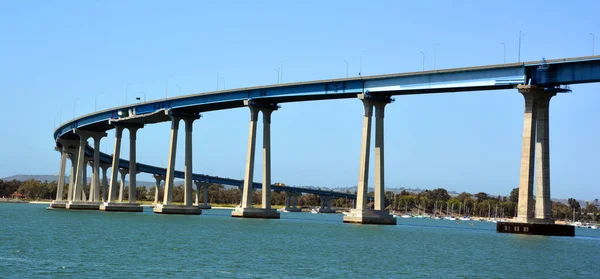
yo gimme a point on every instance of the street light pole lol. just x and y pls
(434, 55)
(223, 78)
(277, 74)
(281, 67)
(593, 42)
(520, 35)
(423, 66)
(346, 68)
(504, 52)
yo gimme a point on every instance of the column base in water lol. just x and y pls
(58, 204)
(121, 207)
(292, 209)
(252, 212)
(203, 206)
(83, 205)
(177, 209)
(367, 216)
(326, 210)
(535, 228)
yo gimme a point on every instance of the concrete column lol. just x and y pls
(543, 204)
(158, 179)
(525, 212)
(329, 203)
(104, 182)
(363, 174)
(379, 158)
(287, 200)
(84, 185)
(132, 163)
(187, 186)
(198, 185)
(168, 197)
(205, 187)
(295, 200)
(122, 185)
(96, 169)
(61, 175)
(112, 192)
(266, 179)
(249, 175)
(79, 179)
(72, 176)
(322, 202)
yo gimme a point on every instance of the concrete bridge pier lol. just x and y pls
(111, 204)
(78, 197)
(361, 214)
(245, 210)
(535, 162)
(167, 207)
(104, 182)
(204, 204)
(68, 146)
(158, 179)
(291, 202)
(326, 205)
(123, 173)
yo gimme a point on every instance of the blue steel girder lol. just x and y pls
(549, 73)
(556, 73)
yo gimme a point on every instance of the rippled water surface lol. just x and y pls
(35, 242)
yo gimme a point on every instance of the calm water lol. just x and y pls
(35, 242)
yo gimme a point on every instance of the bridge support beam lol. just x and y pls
(104, 168)
(112, 204)
(535, 158)
(291, 202)
(95, 185)
(535, 162)
(361, 214)
(67, 147)
(133, 163)
(167, 207)
(158, 179)
(326, 205)
(245, 210)
(78, 197)
(204, 187)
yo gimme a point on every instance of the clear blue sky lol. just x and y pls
(64, 58)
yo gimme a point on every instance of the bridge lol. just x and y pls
(537, 81)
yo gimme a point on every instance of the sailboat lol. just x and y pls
(451, 216)
(465, 217)
(435, 216)
(406, 216)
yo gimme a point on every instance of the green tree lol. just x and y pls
(514, 195)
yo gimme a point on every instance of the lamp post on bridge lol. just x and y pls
(504, 52)
(520, 35)
(423, 63)
(223, 78)
(346, 68)
(593, 42)
(277, 74)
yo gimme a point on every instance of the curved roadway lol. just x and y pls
(547, 74)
